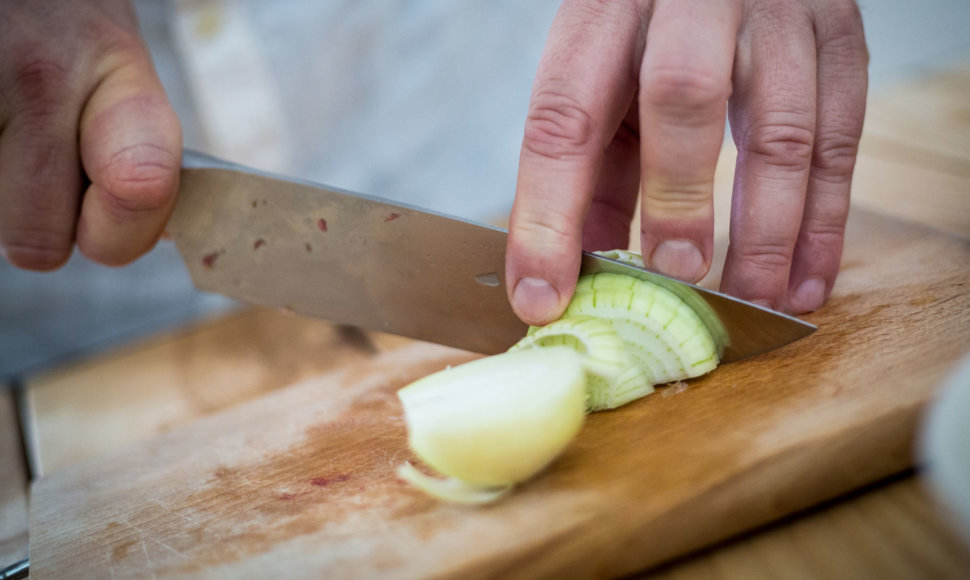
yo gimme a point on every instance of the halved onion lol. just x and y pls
(497, 421)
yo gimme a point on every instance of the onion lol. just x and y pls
(495, 422)
(613, 376)
(499, 420)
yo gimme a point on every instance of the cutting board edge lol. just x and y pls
(897, 430)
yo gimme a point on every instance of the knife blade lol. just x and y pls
(365, 261)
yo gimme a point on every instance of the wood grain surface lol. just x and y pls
(914, 159)
(890, 531)
(300, 482)
(173, 378)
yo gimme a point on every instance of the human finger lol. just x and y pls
(40, 179)
(773, 123)
(131, 146)
(685, 82)
(582, 90)
(607, 225)
(842, 84)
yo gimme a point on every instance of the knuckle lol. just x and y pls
(823, 235)
(843, 18)
(819, 240)
(841, 31)
(683, 90)
(833, 157)
(39, 82)
(787, 145)
(548, 231)
(592, 9)
(681, 200)
(826, 220)
(558, 126)
(766, 256)
(118, 47)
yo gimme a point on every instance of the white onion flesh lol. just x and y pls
(499, 420)
(451, 489)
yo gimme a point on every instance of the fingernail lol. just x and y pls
(535, 300)
(679, 259)
(808, 296)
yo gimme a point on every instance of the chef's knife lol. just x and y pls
(360, 260)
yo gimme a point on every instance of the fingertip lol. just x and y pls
(114, 257)
(681, 248)
(35, 257)
(681, 259)
(755, 278)
(132, 154)
(807, 296)
(536, 301)
(543, 257)
(114, 251)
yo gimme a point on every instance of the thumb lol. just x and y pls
(131, 148)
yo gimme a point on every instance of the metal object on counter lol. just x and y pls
(16, 571)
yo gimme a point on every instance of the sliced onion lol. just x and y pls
(499, 420)
(492, 423)
(663, 334)
(613, 377)
(450, 489)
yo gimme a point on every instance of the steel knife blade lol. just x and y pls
(364, 261)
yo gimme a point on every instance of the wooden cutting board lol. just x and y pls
(300, 482)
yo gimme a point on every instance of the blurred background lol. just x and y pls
(419, 102)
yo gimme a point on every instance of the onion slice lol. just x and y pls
(605, 357)
(450, 489)
(663, 334)
(613, 376)
(628, 257)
